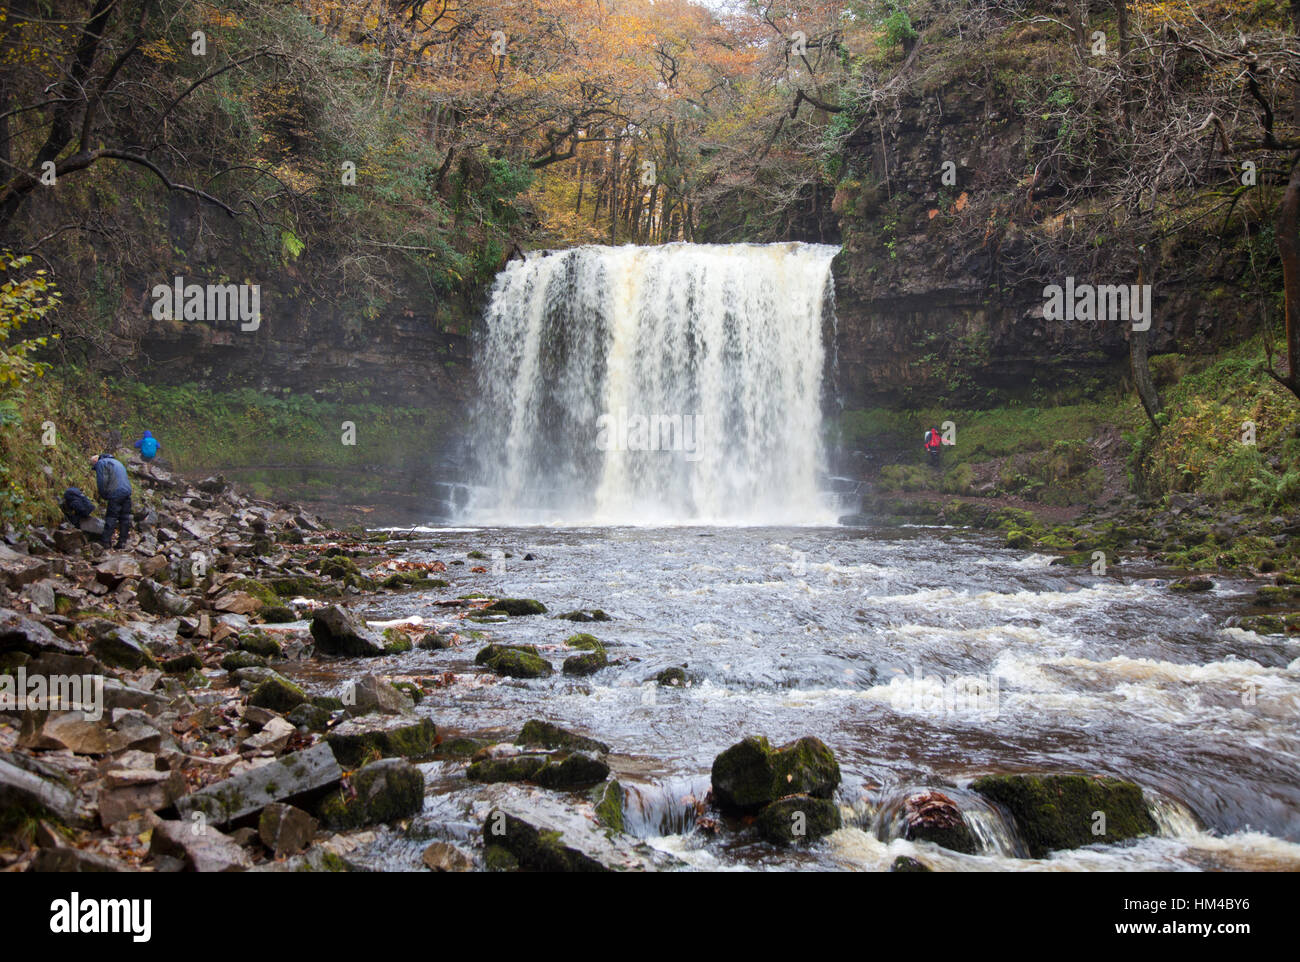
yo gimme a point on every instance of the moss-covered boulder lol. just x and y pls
(396, 642)
(119, 648)
(798, 819)
(1192, 585)
(608, 800)
(382, 791)
(521, 661)
(278, 614)
(236, 660)
(278, 695)
(303, 586)
(182, 664)
(381, 736)
(251, 586)
(584, 642)
(545, 735)
(585, 615)
(751, 774)
(573, 772)
(516, 768)
(1061, 811)
(309, 717)
(260, 643)
(338, 566)
(671, 678)
(516, 607)
(588, 663)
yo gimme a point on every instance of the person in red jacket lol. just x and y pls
(933, 442)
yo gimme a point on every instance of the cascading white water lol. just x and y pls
(671, 384)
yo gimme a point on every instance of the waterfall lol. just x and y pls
(672, 384)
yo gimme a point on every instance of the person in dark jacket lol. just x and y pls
(115, 488)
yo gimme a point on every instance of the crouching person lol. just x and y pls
(115, 489)
(77, 510)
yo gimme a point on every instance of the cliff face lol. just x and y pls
(938, 302)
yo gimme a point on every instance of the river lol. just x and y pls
(924, 657)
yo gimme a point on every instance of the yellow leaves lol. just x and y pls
(159, 51)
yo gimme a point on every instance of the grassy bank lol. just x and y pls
(1228, 432)
(287, 447)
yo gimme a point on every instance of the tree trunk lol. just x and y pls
(1138, 362)
(1288, 249)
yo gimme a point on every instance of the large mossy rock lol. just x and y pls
(382, 791)
(798, 819)
(544, 734)
(516, 607)
(381, 736)
(520, 661)
(338, 632)
(1059, 811)
(278, 695)
(560, 772)
(752, 774)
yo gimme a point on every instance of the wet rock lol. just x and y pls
(608, 800)
(546, 735)
(1057, 811)
(752, 774)
(207, 850)
(19, 633)
(278, 694)
(278, 614)
(546, 834)
(295, 778)
(17, 570)
(337, 632)
(1192, 584)
(434, 641)
(519, 768)
(160, 600)
(43, 594)
(594, 614)
(360, 739)
(587, 663)
(798, 819)
(934, 817)
(286, 830)
(237, 602)
(905, 863)
(520, 661)
(516, 607)
(24, 792)
(382, 791)
(571, 772)
(671, 678)
(445, 857)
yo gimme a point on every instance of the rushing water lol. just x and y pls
(680, 383)
(924, 657)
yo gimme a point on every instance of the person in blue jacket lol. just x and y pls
(115, 488)
(148, 446)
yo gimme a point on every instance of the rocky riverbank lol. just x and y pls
(205, 702)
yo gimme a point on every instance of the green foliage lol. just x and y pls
(23, 300)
